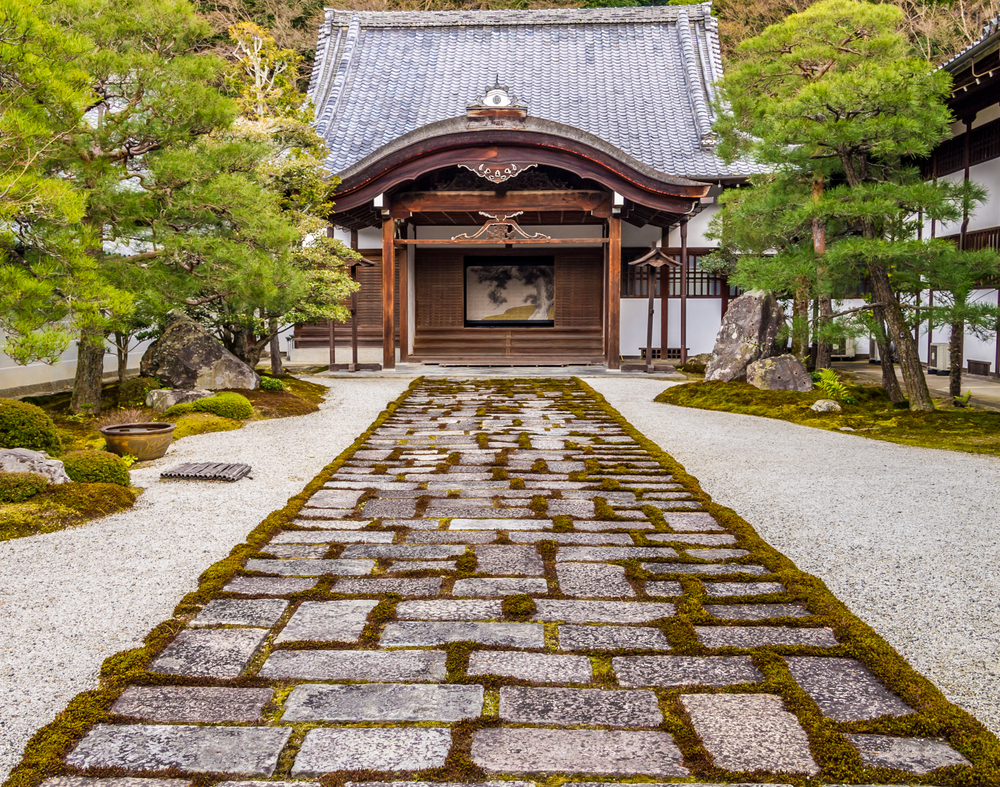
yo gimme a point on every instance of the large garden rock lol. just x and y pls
(697, 364)
(21, 460)
(163, 399)
(187, 356)
(784, 373)
(749, 332)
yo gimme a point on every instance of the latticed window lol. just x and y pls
(700, 284)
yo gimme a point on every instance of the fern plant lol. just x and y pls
(830, 384)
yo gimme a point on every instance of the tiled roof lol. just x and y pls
(991, 32)
(638, 78)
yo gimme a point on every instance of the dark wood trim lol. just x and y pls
(511, 242)
(664, 299)
(404, 306)
(684, 289)
(614, 290)
(597, 203)
(388, 293)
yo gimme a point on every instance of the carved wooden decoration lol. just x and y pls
(501, 228)
(498, 173)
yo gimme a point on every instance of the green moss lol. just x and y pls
(520, 606)
(873, 416)
(91, 467)
(62, 506)
(18, 487)
(24, 425)
(227, 404)
(203, 423)
(271, 384)
(133, 391)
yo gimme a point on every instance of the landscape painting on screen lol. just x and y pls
(499, 291)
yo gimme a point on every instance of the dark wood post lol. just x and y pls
(614, 291)
(404, 306)
(651, 286)
(664, 273)
(354, 308)
(684, 290)
(333, 343)
(388, 293)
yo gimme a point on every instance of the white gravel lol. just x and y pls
(70, 599)
(907, 537)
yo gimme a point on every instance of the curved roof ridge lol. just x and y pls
(512, 18)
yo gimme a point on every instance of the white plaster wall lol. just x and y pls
(633, 325)
(697, 227)
(640, 236)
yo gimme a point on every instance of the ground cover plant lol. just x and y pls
(873, 415)
(62, 506)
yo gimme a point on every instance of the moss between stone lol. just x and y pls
(935, 716)
(44, 754)
(952, 428)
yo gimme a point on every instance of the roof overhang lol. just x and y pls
(496, 144)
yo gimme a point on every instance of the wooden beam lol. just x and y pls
(614, 291)
(388, 293)
(487, 242)
(596, 202)
(664, 273)
(684, 291)
(404, 307)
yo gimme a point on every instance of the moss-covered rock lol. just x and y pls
(133, 391)
(96, 467)
(62, 506)
(24, 425)
(228, 405)
(18, 487)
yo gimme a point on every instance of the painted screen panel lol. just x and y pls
(504, 291)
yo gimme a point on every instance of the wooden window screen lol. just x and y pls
(701, 284)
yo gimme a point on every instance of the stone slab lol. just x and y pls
(685, 670)
(593, 580)
(241, 612)
(345, 537)
(612, 553)
(706, 539)
(268, 586)
(115, 781)
(602, 525)
(418, 586)
(210, 653)
(312, 568)
(584, 509)
(449, 609)
(914, 755)
(720, 589)
(552, 610)
(708, 569)
(844, 689)
(611, 752)
(250, 751)
(717, 554)
(383, 702)
(500, 586)
(534, 667)
(330, 498)
(332, 524)
(357, 665)
(413, 524)
(755, 611)
(371, 748)
(503, 560)
(667, 589)
(569, 707)
(400, 566)
(419, 634)
(612, 638)
(389, 508)
(691, 522)
(327, 621)
(451, 537)
(759, 636)
(572, 538)
(500, 524)
(403, 551)
(192, 703)
(750, 732)
(295, 551)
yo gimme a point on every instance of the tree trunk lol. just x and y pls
(276, 365)
(906, 345)
(244, 344)
(89, 374)
(956, 346)
(889, 381)
(121, 350)
(800, 323)
(824, 350)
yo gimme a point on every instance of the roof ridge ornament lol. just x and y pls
(497, 101)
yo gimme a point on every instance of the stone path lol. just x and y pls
(501, 583)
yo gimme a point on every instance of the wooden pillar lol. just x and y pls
(333, 343)
(664, 273)
(614, 291)
(388, 293)
(684, 290)
(651, 286)
(354, 308)
(404, 306)
(930, 327)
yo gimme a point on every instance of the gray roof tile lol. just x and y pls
(637, 78)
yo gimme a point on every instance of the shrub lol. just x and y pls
(24, 425)
(178, 409)
(271, 384)
(18, 487)
(96, 467)
(228, 405)
(832, 387)
(133, 391)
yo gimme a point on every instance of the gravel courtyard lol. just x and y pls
(70, 599)
(906, 537)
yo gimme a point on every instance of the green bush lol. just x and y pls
(178, 409)
(134, 390)
(271, 384)
(24, 425)
(228, 405)
(96, 467)
(18, 487)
